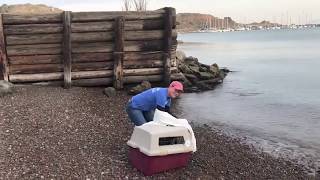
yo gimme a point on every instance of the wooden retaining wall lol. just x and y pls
(89, 48)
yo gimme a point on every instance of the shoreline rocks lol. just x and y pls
(197, 76)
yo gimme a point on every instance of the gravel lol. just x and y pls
(79, 133)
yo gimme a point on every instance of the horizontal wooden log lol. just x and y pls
(154, 45)
(141, 72)
(33, 29)
(34, 39)
(91, 57)
(32, 18)
(35, 68)
(109, 36)
(105, 26)
(154, 24)
(38, 49)
(56, 59)
(92, 66)
(138, 79)
(92, 47)
(151, 55)
(109, 16)
(91, 74)
(92, 82)
(132, 46)
(142, 64)
(146, 35)
(39, 59)
(92, 37)
(22, 78)
(100, 47)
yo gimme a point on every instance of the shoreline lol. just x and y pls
(50, 132)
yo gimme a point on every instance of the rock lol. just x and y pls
(186, 83)
(222, 74)
(215, 65)
(205, 75)
(192, 78)
(214, 69)
(194, 69)
(140, 88)
(198, 76)
(6, 88)
(203, 68)
(204, 86)
(180, 56)
(110, 92)
(146, 84)
(191, 60)
(191, 89)
(225, 70)
(317, 174)
(185, 69)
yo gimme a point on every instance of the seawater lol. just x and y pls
(273, 95)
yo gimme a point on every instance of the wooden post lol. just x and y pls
(3, 53)
(118, 53)
(67, 48)
(168, 44)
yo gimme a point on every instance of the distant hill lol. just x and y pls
(264, 24)
(28, 8)
(186, 21)
(195, 21)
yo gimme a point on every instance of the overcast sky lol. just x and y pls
(241, 10)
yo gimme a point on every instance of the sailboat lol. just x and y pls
(208, 26)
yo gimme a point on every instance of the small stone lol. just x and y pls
(191, 77)
(5, 88)
(185, 69)
(191, 60)
(180, 56)
(194, 69)
(214, 69)
(145, 85)
(110, 92)
(205, 75)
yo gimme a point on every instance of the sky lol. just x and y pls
(244, 11)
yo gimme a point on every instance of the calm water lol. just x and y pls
(273, 98)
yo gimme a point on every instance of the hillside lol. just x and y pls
(196, 21)
(28, 8)
(186, 21)
(264, 24)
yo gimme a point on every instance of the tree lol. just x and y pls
(126, 5)
(140, 5)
